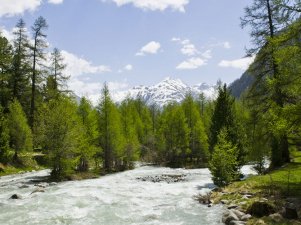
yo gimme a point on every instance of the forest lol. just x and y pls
(41, 119)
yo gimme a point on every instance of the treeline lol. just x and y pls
(39, 114)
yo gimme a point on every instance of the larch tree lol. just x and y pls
(38, 55)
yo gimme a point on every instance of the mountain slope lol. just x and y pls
(168, 90)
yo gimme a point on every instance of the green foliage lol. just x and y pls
(223, 164)
(174, 136)
(19, 131)
(111, 137)
(4, 138)
(89, 134)
(59, 134)
(198, 140)
(5, 63)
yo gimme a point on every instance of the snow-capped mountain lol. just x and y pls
(168, 90)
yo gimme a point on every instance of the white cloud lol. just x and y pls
(8, 34)
(242, 64)
(192, 63)
(207, 54)
(226, 45)
(55, 1)
(77, 66)
(128, 67)
(150, 48)
(15, 7)
(176, 39)
(188, 48)
(153, 5)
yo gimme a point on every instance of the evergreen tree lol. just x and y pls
(174, 136)
(19, 82)
(5, 69)
(224, 117)
(20, 133)
(59, 134)
(111, 138)
(198, 141)
(4, 138)
(38, 55)
(128, 120)
(223, 164)
(88, 141)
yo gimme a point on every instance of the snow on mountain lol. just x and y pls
(168, 90)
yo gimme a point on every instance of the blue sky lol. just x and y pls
(133, 42)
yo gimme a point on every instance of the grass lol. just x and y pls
(274, 187)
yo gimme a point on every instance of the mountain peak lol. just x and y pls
(169, 90)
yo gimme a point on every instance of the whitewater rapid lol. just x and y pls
(116, 199)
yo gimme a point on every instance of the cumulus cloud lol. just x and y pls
(242, 63)
(8, 34)
(192, 63)
(188, 48)
(77, 66)
(154, 5)
(150, 48)
(55, 1)
(16, 7)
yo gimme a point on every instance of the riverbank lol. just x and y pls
(274, 198)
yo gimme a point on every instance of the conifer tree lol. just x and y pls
(19, 131)
(111, 137)
(19, 82)
(89, 132)
(198, 141)
(59, 133)
(38, 55)
(5, 71)
(4, 138)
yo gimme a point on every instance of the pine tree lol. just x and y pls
(223, 164)
(198, 141)
(111, 138)
(19, 131)
(59, 134)
(19, 82)
(5, 71)
(224, 117)
(4, 138)
(89, 132)
(128, 120)
(174, 136)
(38, 54)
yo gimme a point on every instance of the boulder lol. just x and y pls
(246, 217)
(16, 196)
(228, 217)
(238, 213)
(291, 211)
(260, 209)
(224, 202)
(39, 189)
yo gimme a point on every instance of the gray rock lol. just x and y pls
(246, 217)
(276, 217)
(228, 217)
(261, 208)
(16, 196)
(238, 213)
(39, 189)
(291, 211)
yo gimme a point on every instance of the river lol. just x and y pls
(116, 199)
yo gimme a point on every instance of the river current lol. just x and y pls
(116, 199)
